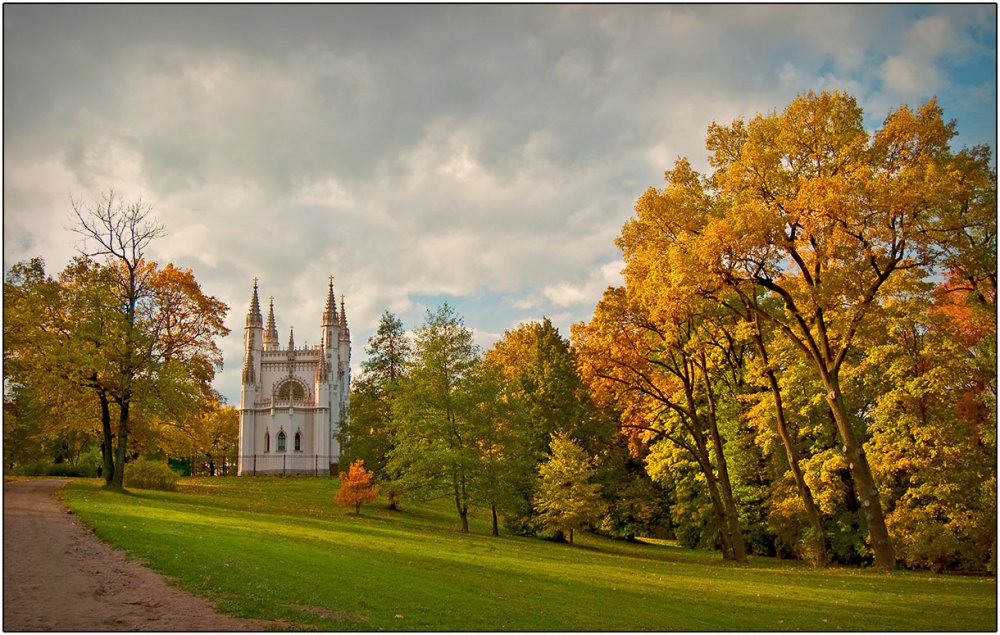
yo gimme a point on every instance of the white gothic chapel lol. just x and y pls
(294, 399)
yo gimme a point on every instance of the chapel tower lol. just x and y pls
(294, 400)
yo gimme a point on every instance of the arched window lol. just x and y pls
(298, 441)
(291, 391)
(267, 441)
(281, 441)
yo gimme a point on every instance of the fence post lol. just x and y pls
(284, 464)
(255, 465)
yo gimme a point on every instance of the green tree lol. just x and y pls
(436, 451)
(369, 434)
(54, 333)
(566, 498)
(501, 428)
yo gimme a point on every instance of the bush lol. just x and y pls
(150, 474)
(68, 469)
(44, 468)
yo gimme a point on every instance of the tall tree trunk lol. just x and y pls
(496, 526)
(861, 474)
(463, 510)
(718, 509)
(732, 514)
(805, 493)
(107, 449)
(696, 428)
(118, 481)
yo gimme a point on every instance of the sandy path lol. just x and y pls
(58, 576)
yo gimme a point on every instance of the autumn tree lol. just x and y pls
(356, 487)
(928, 413)
(208, 437)
(804, 223)
(566, 498)
(822, 215)
(536, 366)
(656, 368)
(138, 338)
(54, 330)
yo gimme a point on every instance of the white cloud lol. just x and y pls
(490, 159)
(565, 294)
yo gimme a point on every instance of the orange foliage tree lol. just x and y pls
(357, 487)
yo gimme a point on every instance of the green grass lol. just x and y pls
(280, 549)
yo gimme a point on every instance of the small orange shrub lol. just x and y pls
(356, 487)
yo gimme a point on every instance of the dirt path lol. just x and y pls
(57, 576)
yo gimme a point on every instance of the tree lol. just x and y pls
(120, 232)
(137, 337)
(816, 213)
(436, 451)
(356, 487)
(536, 367)
(566, 499)
(928, 413)
(55, 330)
(499, 425)
(368, 435)
(804, 223)
(654, 364)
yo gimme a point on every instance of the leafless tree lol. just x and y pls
(120, 232)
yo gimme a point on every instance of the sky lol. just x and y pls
(484, 156)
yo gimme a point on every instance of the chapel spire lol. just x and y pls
(270, 331)
(253, 315)
(345, 333)
(330, 312)
(291, 338)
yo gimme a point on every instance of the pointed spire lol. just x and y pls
(291, 338)
(270, 331)
(343, 319)
(253, 315)
(330, 313)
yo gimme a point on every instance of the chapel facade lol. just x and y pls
(294, 399)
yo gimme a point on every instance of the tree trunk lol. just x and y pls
(463, 510)
(696, 428)
(107, 449)
(732, 514)
(496, 526)
(819, 538)
(718, 510)
(118, 480)
(571, 535)
(861, 474)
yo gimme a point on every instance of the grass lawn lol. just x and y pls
(280, 549)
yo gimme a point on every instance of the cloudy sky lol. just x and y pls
(482, 155)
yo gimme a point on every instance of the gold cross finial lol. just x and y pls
(331, 280)
(255, 281)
